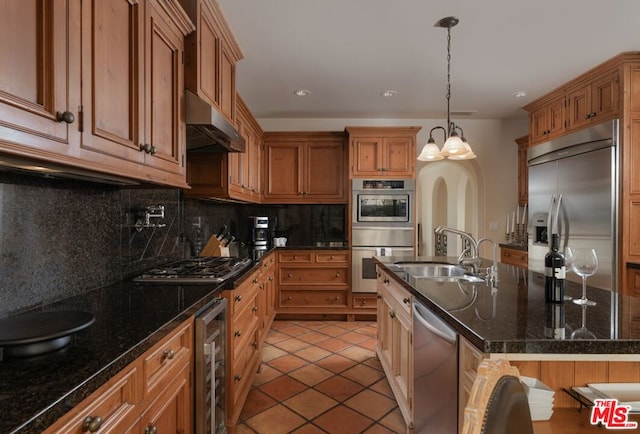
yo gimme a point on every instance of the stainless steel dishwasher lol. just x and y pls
(435, 373)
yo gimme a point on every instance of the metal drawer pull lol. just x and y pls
(168, 355)
(91, 424)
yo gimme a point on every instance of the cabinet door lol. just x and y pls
(367, 156)
(227, 82)
(112, 68)
(36, 80)
(385, 330)
(164, 84)
(402, 354)
(398, 156)
(171, 412)
(283, 163)
(580, 107)
(325, 177)
(523, 170)
(604, 97)
(556, 117)
(538, 124)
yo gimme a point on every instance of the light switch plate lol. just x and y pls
(493, 226)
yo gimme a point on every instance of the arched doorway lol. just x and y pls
(448, 194)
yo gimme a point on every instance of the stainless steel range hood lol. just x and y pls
(208, 129)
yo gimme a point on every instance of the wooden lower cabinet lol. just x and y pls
(250, 314)
(516, 257)
(395, 342)
(155, 390)
(313, 282)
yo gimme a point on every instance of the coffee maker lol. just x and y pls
(259, 235)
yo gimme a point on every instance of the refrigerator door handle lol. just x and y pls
(550, 218)
(556, 216)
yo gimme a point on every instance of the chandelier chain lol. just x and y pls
(449, 126)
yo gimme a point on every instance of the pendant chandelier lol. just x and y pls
(455, 146)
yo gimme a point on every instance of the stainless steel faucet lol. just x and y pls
(474, 260)
(493, 273)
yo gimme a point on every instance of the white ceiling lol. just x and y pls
(347, 51)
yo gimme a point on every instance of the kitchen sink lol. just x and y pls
(438, 272)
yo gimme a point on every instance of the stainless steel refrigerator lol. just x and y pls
(573, 185)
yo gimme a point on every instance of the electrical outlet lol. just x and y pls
(197, 222)
(493, 226)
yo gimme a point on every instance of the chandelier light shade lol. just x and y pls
(455, 146)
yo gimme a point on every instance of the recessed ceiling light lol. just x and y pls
(302, 92)
(389, 92)
(519, 94)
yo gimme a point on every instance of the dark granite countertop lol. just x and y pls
(130, 319)
(343, 247)
(512, 318)
(522, 247)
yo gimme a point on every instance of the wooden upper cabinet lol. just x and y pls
(382, 152)
(523, 170)
(594, 101)
(211, 56)
(37, 81)
(547, 120)
(304, 168)
(132, 64)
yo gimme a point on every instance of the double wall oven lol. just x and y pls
(382, 224)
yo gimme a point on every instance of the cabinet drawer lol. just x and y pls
(364, 301)
(398, 297)
(243, 295)
(633, 281)
(242, 327)
(514, 257)
(174, 351)
(332, 257)
(314, 276)
(295, 257)
(114, 403)
(313, 298)
(242, 368)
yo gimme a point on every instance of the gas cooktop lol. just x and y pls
(202, 270)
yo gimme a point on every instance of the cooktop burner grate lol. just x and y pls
(212, 269)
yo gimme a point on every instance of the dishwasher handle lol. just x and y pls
(435, 325)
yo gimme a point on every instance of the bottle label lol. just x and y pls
(557, 272)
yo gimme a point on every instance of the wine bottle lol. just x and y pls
(554, 270)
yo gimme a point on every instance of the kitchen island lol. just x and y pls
(508, 319)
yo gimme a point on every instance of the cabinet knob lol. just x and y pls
(237, 377)
(378, 296)
(168, 355)
(237, 298)
(406, 300)
(145, 147)
(91, 424)
(150, 429)
(254, 345)
(254, 309)
(153, 150)
(331, 257)
(295, 257)
(392, 314)
(289, 298)
(385, 280)
(290, 275)
(254, 281)
(237, 333)
(338, 274)
(65, 116)
(337, 297)
(270, 278)
(363, 302)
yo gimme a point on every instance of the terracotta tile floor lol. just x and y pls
(320, 377)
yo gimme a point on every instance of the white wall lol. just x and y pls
(492, 141)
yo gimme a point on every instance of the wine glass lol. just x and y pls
(584, 263)
(582, 332)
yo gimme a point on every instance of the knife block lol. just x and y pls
(214, 248)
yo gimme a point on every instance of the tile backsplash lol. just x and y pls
(59, 238)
